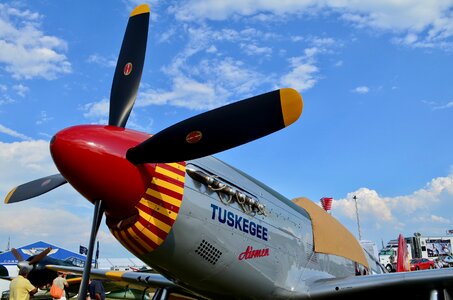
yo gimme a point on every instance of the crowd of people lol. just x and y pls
(21, 288)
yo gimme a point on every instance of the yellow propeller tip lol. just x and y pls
(9, 195)
(141, 9)
(292, 105)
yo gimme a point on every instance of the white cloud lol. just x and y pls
(231, 75)
(213, 83)
(438, 219)
(97, 111)
(422, 210)
(5, 99)
(16, 221)
(13, 133)
(417, 23)
(102, 61)
(28, 159)
(25, 51)
(445, 106)
(303, 74)
(185, 92)
(252, 49)
(204, 82)
(212, 49)
(361, 90)
(220, 10)
(46, 217)
(323, 42)
(21, 89)
(437, 106)
(30, 222)
(43, 118)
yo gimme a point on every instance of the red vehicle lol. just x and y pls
(421, 264)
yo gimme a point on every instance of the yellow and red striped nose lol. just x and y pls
(141, 201)
(92, 159)
(157, 211)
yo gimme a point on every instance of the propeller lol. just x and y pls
(220, 129)
(38, 275)
(37, 258)
(34, 259)
(16, 254)
(129, 67)
(35, 188)
(125, 85)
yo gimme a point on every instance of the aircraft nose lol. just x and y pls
(92, 159)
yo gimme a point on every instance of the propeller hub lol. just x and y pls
(92, 159)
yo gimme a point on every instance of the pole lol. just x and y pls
(357, 214)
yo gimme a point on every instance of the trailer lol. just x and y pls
(435, 247)
(430, 247)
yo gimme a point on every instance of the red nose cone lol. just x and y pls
(92, 159)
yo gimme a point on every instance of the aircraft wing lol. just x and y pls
(134, 280)
(404, 285)
(9, 278)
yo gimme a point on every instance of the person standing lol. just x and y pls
(96, 290)
(60, 281)
(20, 287)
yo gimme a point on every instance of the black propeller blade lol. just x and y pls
(16, 254)
(34, 259)
(220, 129)
(37, 258)
(129, 67)
(34, 188)
(97, 217)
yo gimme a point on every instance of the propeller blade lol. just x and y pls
(34, 188)
(129, 67)
(221, 129)
(37, 258)
(97, 217)
(21, 262)
(17, 254)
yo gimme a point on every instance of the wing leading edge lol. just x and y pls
(137, 280)
(405, 285)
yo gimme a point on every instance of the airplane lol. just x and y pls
(208, 229)
(41, 276)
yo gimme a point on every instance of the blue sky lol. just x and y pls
(375, 77)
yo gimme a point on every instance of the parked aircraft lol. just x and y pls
(39, 275)
(42, 277)
(209, 229)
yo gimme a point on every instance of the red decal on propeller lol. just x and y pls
(127, 69)
(46, 182)
(194, 137)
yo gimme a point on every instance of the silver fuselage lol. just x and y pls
(219, 251)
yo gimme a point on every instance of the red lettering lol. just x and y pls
(249, 253)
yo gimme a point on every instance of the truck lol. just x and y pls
(387, 258)
(430, 247)
(389, 254)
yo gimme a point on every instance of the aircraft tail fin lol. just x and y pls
(402, 262)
